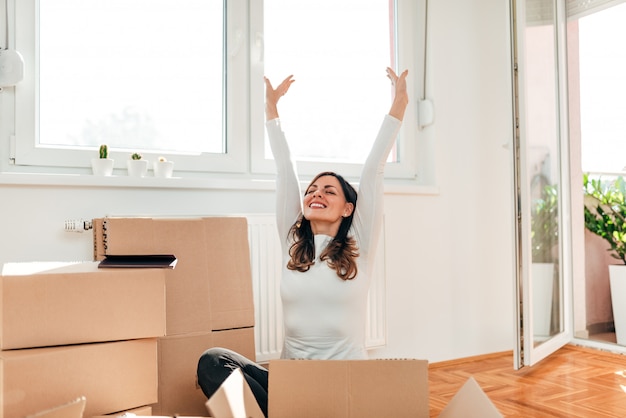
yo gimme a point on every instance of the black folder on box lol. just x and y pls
(167, 261)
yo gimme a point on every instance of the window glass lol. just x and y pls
(337, 52)
(134, 74)
(602, 87)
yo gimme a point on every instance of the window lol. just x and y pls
(602, 83)
(343, 68)
(125, 79)
(184, 79)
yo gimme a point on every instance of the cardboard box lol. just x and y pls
(212, 274)
(113, 376)
(350, 388)
(73, 303)
(179, 393)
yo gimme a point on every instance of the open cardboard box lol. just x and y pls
(347, 389)
(344, 389)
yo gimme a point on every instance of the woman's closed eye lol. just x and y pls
(325, 191)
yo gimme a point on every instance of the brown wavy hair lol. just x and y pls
(340, 254)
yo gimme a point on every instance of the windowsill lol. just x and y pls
(88, 180)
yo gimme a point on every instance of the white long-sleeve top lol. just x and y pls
(325, 316)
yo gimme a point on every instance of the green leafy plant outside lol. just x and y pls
(545, 226)
(104, 151)
(605, 212)
(136, 156)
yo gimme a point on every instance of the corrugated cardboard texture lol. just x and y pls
(347, 389)
(228, 262)
(98, 242)
(178, 362)
(211, 286)
(112, 376)
(80, 303)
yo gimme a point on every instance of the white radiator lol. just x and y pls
(266, 264)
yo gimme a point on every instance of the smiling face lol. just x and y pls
(325, 205)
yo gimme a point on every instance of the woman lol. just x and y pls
(328, 245)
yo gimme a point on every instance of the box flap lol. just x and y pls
(47, 267)
(73, 409)
(234, 399)
(470, 402)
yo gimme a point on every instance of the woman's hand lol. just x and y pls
(401, 97)
(273, 95)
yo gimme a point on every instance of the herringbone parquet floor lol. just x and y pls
(573, 382)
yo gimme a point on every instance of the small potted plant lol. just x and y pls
(545, 226)
(136, 165)
(103, 165)
(163, 168)
(605, 216)
(545, 257)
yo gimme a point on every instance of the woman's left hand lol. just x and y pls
(401, 97)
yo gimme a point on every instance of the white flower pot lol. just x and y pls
(617, 280)
(137, 168)
(163, 168)
(102, 166)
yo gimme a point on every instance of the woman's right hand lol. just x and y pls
(273, 95)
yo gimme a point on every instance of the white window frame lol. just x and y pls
(245, 117)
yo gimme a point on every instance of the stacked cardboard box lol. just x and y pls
(209, 298)
(75, 331)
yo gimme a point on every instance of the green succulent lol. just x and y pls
(545, 226)
(104, 151)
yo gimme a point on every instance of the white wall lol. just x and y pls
(449, 256)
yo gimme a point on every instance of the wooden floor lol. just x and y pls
(573, 382)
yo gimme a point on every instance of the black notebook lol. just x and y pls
(167, 261)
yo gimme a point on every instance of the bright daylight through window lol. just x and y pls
(602, 87)
(337, 52)
(135, 74)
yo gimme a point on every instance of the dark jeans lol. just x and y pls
(216, 364)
